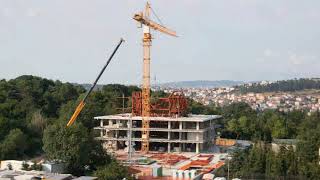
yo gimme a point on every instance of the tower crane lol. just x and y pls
(144, 19)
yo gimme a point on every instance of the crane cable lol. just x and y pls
(154, 13)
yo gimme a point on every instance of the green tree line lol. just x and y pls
(34, 112)
(259, 161)
(33, 116)
(281, 86)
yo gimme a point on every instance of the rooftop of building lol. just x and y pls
(189, 118)
(285, 141)
(171, 163)
(20, 174)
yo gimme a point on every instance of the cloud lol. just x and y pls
(6, 12)
(28, 12)
(32, 12)
(269, 53)
(291, 57)
(260, 60)
(296, 59)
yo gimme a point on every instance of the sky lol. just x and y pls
(246, 40)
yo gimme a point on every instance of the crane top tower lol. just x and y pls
(144, 19)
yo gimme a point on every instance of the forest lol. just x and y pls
(33, 116)
(281, 86)
(34, 112)
(263, 128)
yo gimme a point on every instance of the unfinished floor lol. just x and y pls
(194, 133)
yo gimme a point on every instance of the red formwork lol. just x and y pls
(174, 105)
(168, 159)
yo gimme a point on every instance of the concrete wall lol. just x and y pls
(191, 136)
(53, 167)
(276, 147)
(16, 165)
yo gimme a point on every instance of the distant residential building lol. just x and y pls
(285, 143)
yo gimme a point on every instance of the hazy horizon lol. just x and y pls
(233, 40)
(168, 82)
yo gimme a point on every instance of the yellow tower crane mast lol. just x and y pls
(147, 24)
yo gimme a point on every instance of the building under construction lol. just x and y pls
(159, 138)
(163, 125)
(172, 134)
(179, 144)
(157, 128)
(170, 128)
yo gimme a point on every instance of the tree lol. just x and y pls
(285, 85)
(4, 127)
(236, 110)
(38, 122)
(279, 129)
(13, 145)
(67, 145)
(25, 166)
(74, 147)
(35, 166)
(236, 163)
(308, 147)
(112, 171)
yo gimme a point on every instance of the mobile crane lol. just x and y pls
(83, 101)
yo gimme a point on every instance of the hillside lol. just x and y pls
(281, 86)
(201, 84)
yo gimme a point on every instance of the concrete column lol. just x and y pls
(169, 125)
(197, 148)
(110, 122)
(169, 135)
(169, 147)
(101, 131)
(116, 145)
(198, 126)
(197, 136)
(180, 128)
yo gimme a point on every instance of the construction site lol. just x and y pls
(178, 146)
(160, 139)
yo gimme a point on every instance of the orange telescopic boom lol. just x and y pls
(83, 101)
